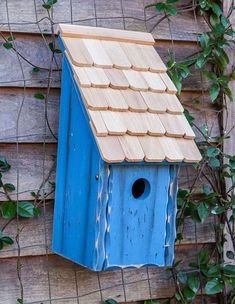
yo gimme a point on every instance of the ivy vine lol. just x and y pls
(210, 274)
(10, 208)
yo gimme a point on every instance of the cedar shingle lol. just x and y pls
(131, 101)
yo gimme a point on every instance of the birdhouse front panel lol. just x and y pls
(122, 138)
(137, 215)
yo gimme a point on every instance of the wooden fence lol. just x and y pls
(47, 278)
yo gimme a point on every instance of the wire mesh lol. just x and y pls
(124, 287)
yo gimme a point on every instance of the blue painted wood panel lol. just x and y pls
(136, 228)
(79, 175)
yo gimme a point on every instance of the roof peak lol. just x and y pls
(99, 33)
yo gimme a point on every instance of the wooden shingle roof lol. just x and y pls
(134, 112)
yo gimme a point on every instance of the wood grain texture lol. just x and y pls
(32, 130)
(37, 52)
(32, 237)
(32, 118)
(30, 164)
(67, 281)
(78, 53)
(101, 33)
(110, 149)
(116, 54)
(97, 53)
(229, 118)
(83, 12)
(32, 240)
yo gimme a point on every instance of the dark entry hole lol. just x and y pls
(140, 188)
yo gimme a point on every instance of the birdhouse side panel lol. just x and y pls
(171, 215)
(78, 168)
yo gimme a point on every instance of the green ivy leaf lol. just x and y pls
(8, 210)
(54, 50)
(210, 75)
(46, 6)
(204, 40)
(194, 283)
(206, 189)
(214, 91)
(169, 9)
(201, 60)
(26, 209)
(214, 286)
(203, 257)
(8, 45)
(171, 1)
(39, 96)
(176, 80)
(189, 117)
(11, 38)
(177, 296)
(182, 277)
(4, 165)
(37, 212)
(179, 237)
(36, 69)
(204, 130)
(214, 162)
(49, 4)
(9, 187)
(216, 9)
(188, 294)
(7, 240)
(230, 255)
(110, 301)
(212, 152)
(229, 270)
(203, 211)
(218, 210)
(213, 271)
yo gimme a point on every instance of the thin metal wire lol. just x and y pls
(49, 78)
(100, 287)
(123, 285)
(123, 15)
(95, 12)
(76, 282)
(195, 224)
(18, 230)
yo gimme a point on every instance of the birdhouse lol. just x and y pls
(122, 138)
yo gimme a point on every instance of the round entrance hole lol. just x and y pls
(140, 188)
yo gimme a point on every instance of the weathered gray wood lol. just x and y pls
(108, 14)
(30, 162)
(229, 124)
(68, 281)
(32, 117)
(33, 231)
(35, 50)
(31, 127)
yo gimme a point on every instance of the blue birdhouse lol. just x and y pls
(122, 138)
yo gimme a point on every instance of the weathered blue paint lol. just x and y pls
(136, 226)
(76, 184)
(171, 215)
(97, 221)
